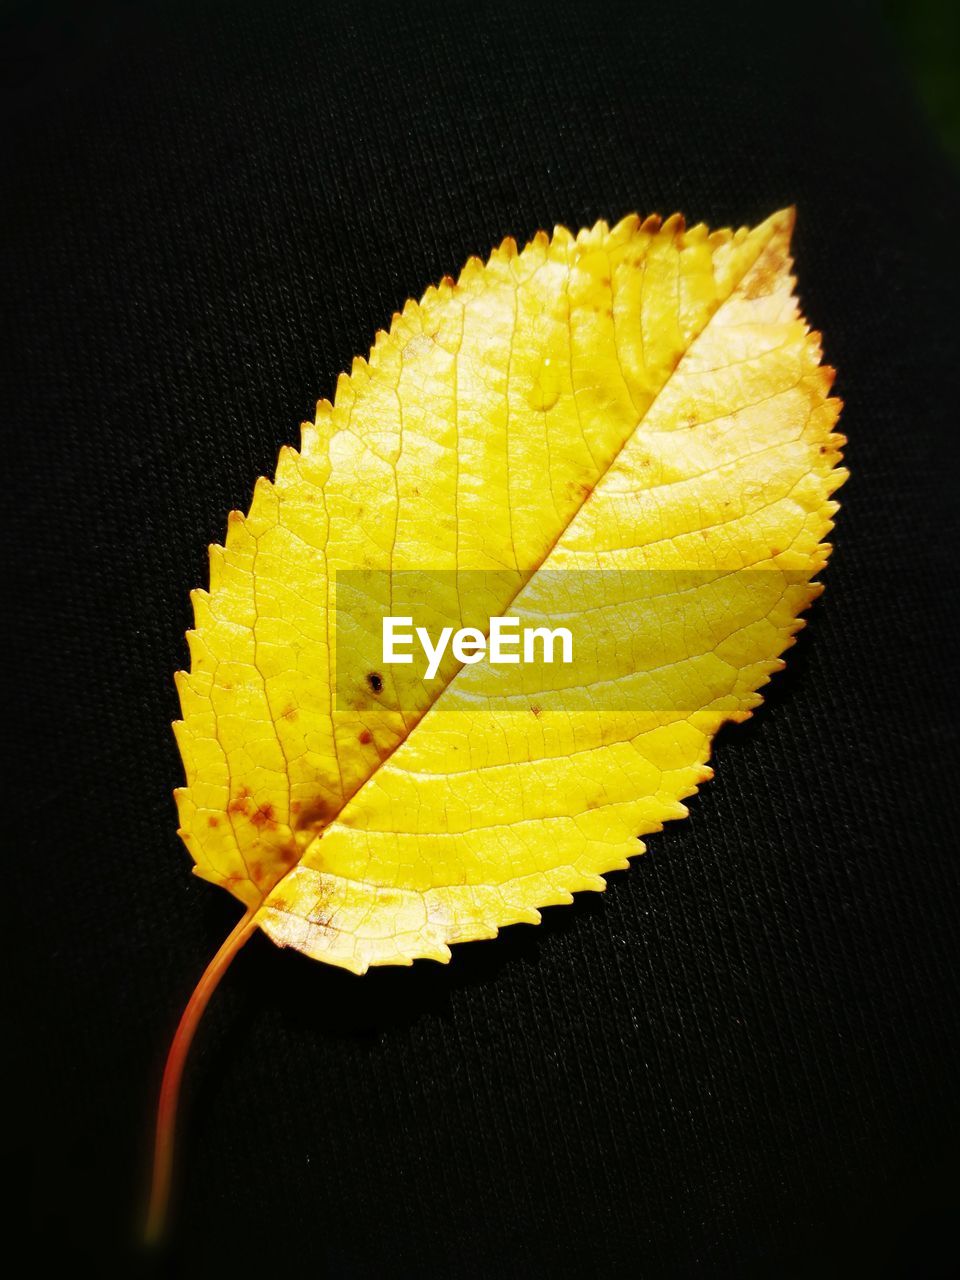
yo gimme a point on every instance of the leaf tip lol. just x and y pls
(782, 222)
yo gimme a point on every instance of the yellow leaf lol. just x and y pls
(610, 408)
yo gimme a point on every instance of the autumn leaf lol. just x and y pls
(640, 411)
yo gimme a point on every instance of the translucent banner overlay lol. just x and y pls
(656, 644)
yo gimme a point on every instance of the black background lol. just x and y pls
(742, 1059)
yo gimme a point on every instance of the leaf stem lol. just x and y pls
(173, 1072)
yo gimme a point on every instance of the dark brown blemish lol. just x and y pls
(537, 711)
(264, 816)
(375, 681)
(365, 736)
(312, 815)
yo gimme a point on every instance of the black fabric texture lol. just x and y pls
(742, 1058)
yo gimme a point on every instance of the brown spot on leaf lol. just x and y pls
(213, 821)
(241, 801)
(264, 816)
(365, 736)
(375, 681)
(314, 814)
(537, 711)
